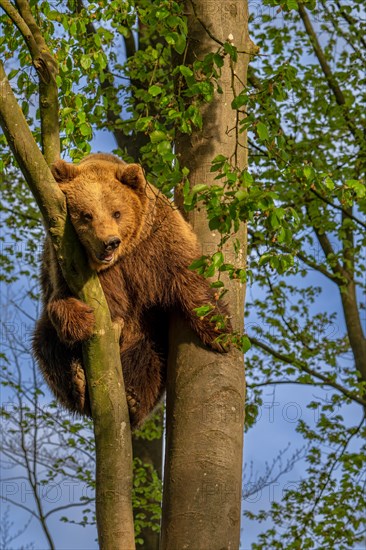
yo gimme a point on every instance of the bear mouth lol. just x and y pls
(106, 258)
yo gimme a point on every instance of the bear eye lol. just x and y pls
(87, 217)
(116, 215)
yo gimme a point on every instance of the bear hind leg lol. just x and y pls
(144, 377)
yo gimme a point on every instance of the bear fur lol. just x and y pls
(141, 248)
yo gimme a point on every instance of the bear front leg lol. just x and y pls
(61, 366)
(73, 320)
(193, 291)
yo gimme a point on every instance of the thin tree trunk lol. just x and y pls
(206, 390)
(101, 352)
(149, 452)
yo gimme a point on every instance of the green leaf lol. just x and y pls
(178, 41)
(157, 135)
(180, 44)
(186, 71)
(12, 73)
(292, 4)
(231, 50)
(274, 220)
(143, 123)
(203, 310)
(218, 59)
(247, 178)
(239, 101)
(199, 188)
(262, 131)
(219, 159)
(241, 195)
(155, 90)
(164, 147)
(85, 61)
(85, 129)
(97, 40)
(308, 172)
(214, 223)
(198, 263)
(217, 284)
(245, 344)
(329, 184)
(358, 187)
(217, 259)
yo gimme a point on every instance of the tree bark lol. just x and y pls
(101, 352)
(206, 390)
(47, 68)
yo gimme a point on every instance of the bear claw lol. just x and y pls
(134, 404)
(73, 320)
(78, 385)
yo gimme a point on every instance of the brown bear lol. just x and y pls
(141, 248)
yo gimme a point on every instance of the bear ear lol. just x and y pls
(131, 175)
(64, 171)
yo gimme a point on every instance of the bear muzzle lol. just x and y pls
(110, 245)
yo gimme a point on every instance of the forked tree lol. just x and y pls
(188, 134)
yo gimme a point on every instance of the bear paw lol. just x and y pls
(214, 338)
(73, 320)
(78, 386)
(134, 404)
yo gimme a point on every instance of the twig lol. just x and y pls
(47, 69)
(332, 82)
(302, 366)
(338, 207)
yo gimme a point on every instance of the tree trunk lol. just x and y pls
(206, 390)
(150, 452)
(101, 352)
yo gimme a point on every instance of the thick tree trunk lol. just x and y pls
(101, 353)
(206, 391)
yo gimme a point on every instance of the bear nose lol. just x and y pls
(112, 243)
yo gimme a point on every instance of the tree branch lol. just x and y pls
(19, 505)
(327, 248)
(101, 353)
(67, 506)
(305, 259)
(354, 327)
(317, 267)
(351, 21)
(332, 82)
(22, 27)
(19, 213)
(47, 70)
(338, 28)
(338, 207)
(256, 83)
(282, 382)
(303, 366)
(342, 448)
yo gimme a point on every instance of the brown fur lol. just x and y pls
(144, 275)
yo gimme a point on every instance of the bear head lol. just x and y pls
(106, 200)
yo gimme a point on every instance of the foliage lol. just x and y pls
(303, 197)
(306, 146)
(19, 243)
(146, 498)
